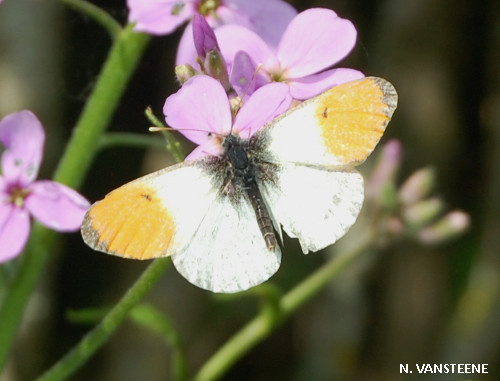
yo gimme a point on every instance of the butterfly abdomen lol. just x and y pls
(262, 214)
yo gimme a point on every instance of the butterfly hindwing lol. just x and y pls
(228, 253)
(315, 205)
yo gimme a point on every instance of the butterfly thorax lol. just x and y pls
(236, 152)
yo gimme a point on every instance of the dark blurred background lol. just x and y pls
(408, 304)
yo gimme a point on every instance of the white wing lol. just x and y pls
(179, 211)
(228, 252)
(316, 206)
(315, 193)
(339, 127)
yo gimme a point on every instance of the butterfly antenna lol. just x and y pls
(159, 129)
(254, 77)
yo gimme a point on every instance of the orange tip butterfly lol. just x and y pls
(220, 218)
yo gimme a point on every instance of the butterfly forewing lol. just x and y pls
(153, 216)
(337, 128)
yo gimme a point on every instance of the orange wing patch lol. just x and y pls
(130, 222)
(353, 117)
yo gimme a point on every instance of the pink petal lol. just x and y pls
(23, 137)
(315, 40)
(186, 51)
(56, 206)
(245, 77)
(3, 189)
(212, 147)
(199, 109)
(234, 38)
(312, 85)
(263, 106)
(159, 16)
(14, 230)
(268, 18)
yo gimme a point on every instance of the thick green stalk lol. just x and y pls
(33, 262)
(93, 340)
(118, 68)
(96, 13)
(264, 323)
(100, 107)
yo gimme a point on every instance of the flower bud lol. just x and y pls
(203, 35)
(417, 186)
(215, 66)
(449, 227)
(210, 57)
(422, 212)
(184, 72)
(394, 226)
(381, 184)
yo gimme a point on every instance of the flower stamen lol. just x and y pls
(17, 196)
(208, 7)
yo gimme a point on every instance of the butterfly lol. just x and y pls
(220, 218)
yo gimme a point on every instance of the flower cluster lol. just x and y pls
(241, 63)
(54, 205)
(410, 210)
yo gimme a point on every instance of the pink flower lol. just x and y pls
(315, 40)
(52, 204)
(201, 111)
(267, 17)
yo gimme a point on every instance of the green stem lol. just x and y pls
(117, 139)
(119, 66)
(32, 263)
(97, 14)
(172, 144)
(150, 318)
(92, 341)
(74, 164)
(262, 325)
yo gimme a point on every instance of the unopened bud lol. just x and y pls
(417, 186)
(215, 66)
(394, 226)
(184, 73)
(381, 184)
(210, 57)
(203, 36)
(422, 212)
(449, 227)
